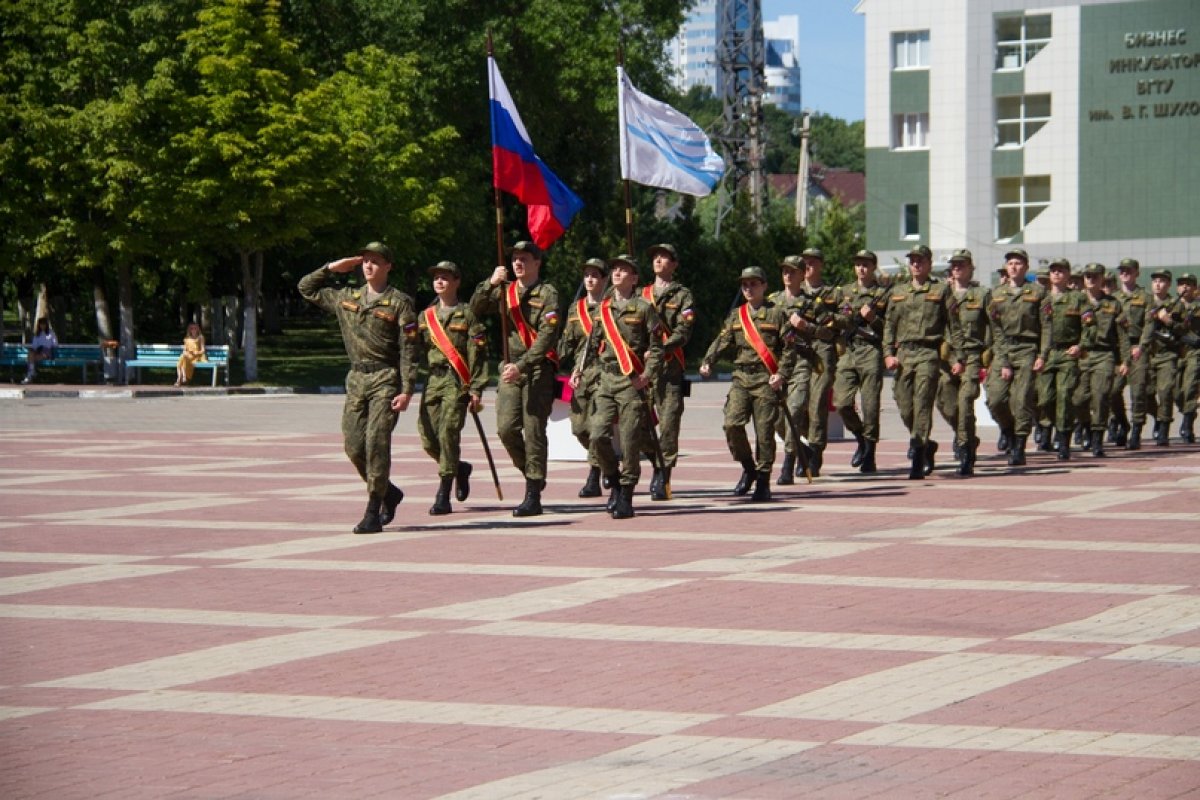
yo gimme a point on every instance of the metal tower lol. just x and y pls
(740, 84)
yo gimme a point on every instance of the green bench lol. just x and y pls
(151, 356)
(65, 355)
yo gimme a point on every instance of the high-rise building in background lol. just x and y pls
(694, 56)
(1066, 127)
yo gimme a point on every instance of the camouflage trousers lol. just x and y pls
(616, 401)
(1188, 381)
(1138, 382)
(1094, 393)
(668, 404)
(1056, 390)
(859, 373)
(581, 409)
(750, 398)
(915, 388)
(1011, 402)
(956, 398)
(440, 421)
(522, 409)
(808, 395)
(367, 425)
(1160, 378)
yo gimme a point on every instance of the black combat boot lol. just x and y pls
(623, 509)
(815, 459)
(1135, 438)
(1098, 443)
(1016, 456)
(1114, 428)
(462, 482)
(966, 459)
(531, 506)
(1062, 444)
(1079, 442)
(591, 486)
(614, 493)
(747, 479)
(868, 463)
(1187, 428)
(661, 491)
(370, 522)
(861, 451)
(441, 500)
(1039, 434)
(1004, 443)
(917, 472)
(656, 483)
(787, 473)
(762, 488)
(1049, 441)
(1162, 433)
(931, 448)
(390, 500)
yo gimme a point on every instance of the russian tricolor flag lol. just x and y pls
(517, 170)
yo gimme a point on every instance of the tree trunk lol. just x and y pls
(43, 305)
(104, 326)
(125, 303)
(251, 279)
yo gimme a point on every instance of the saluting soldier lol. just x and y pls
(1062, 331)
(630, 361)
(860, 367)
(1106, 350)
(918, 321)
(454, 342)
(1161, 339)
(818, 326)
(525, 393)
(960, 382)
(755, 334)
(379, 328)
(571, 347)
(677, 316)
(1189, 358)
(1016, 315)
(1135, 303)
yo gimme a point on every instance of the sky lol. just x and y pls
(831, 53)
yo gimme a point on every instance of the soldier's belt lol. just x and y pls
(439, 369)
(919, 345)
(750, 369)
(612, 368)
(1101, 350)
(1063, 345)
(369, 366)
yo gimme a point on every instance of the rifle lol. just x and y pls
(487, 451)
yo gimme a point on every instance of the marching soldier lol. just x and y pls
(1015, 311)
(754, 334)
(676, 315)
(379, 328)
(454, 344)
(918, 321)
(525, 393)
(629, 325)
(791, 298)
(1160, 338)
(960, 382)
(571, 346)
(817, 324)
(1062, 331)
(1106, 349)
(1135, 303)
(860, 368)
(1189, 359)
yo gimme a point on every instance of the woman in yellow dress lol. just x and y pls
(193, 351)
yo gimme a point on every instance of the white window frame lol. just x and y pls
(906, 233)
(1013, 54)
(910, 131)
(1026, 123)
(1027, 209)
(910, 50)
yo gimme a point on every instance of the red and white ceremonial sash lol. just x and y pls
(528, 335)
(585, 319)
(675, 353)
(626, 358)
(756, 341)
(442, 340)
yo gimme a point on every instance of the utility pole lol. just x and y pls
(802, 177)
(740, 78)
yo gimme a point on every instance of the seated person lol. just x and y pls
(43, 347)
(193, 351)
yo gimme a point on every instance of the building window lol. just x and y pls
(1018, 202)
(1019, 118)
(910, 132)
(911, 50)
(1019, 39)
(910, 221)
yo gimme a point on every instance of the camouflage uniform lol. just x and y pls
(1189, 365)
(860, 368)
(571, 348)
(1062, 329)
(379, 334)
(1106, 346)
(957, 393)
(1161, 342)
(1016, 316)
(1134, 306)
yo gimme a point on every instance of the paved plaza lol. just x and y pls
(185, 614)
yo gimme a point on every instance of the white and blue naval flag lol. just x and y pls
(661, 147)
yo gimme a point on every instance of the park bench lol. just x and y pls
(65, 355)
(150, 356)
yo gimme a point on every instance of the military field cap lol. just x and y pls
(1016, 252)
(1043, 272)
(753, 273)
(812, 252)
(623, 258)
(1186, 277)
(378, 248)
(1093, 269)
(596, 264)
(524, 246)
(792, 262)
(866, 255)
(446, 266)
(921, 250)
(1128, 263)
(1161, 273)
(669, 249)
(1061, 263)
(962, 255)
